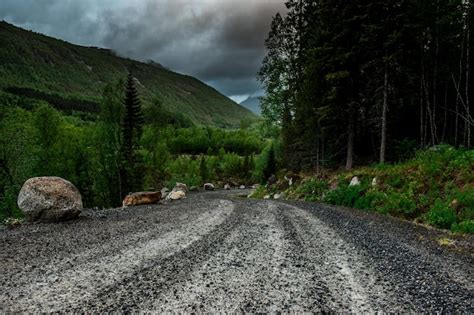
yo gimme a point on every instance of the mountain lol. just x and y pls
(38, 66)
(252, 103)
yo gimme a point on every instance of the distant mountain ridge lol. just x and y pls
(43, 65)
(253, 104)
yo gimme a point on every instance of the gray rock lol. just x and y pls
(164, 191)
(209, 186)
(193, 188)
(226, 187)
(242, 187)
(49, 199)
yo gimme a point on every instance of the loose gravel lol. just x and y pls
(214, 252)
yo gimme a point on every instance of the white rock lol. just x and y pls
(267, 197)
(374, 182)
(181, 187)
(242, 187)
(226, 187)
(355, 181)
(277, 196)
(176, 195)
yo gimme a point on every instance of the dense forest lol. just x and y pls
(125, 147)
(354, 82)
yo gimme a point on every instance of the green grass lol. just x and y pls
(64, 71)
(436, 188)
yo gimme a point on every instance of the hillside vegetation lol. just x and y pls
(435, 187)
(73, 77)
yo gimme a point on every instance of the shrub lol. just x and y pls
(441, 215)
(464, 227)
(345, 195)
(313, 189)
(371, 200)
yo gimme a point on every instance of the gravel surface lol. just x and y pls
(217, 252)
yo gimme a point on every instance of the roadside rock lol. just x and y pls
(180, 187)
(355, 181)
(176, 195)
(226, 187)
(49, 199)
(374, 182)
(277, 196)
(242, 187)
(164, 191)
(142, 198)
(267, 197)
(193, 188)
(209, 187)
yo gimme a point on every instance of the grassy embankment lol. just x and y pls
(436, 187)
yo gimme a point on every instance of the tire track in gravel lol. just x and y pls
(278, 258)
(61, 288)
(244, 274)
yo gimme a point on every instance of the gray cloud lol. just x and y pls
(218, 41)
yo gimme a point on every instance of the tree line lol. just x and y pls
(126, 147)
(368, 81)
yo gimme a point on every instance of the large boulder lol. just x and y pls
(176, 195)
(49, 199)
(209, 186)
(142, 198)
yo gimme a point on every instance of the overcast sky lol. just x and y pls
(219, 41)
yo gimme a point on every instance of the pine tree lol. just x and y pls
(131, 133)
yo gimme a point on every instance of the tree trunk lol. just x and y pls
(468, 73)
(383, 137)
(350, 144)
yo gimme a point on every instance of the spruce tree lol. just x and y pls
(131, 133)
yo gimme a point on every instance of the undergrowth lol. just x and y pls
(436, 188)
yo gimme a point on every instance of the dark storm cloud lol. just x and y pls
(220, 42)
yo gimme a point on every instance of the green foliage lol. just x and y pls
(265, 165)
(132, 129)
(441, 215)
(313, 189)
(464, 227)
(345, 195)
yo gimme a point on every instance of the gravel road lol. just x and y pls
(216, 252)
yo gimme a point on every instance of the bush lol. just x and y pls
(441, 215)
(345, 195)
(464, 227)
(313, 189)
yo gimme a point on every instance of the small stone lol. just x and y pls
(209, 187)
(355, 181)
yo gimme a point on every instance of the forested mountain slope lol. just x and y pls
(43, 67)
